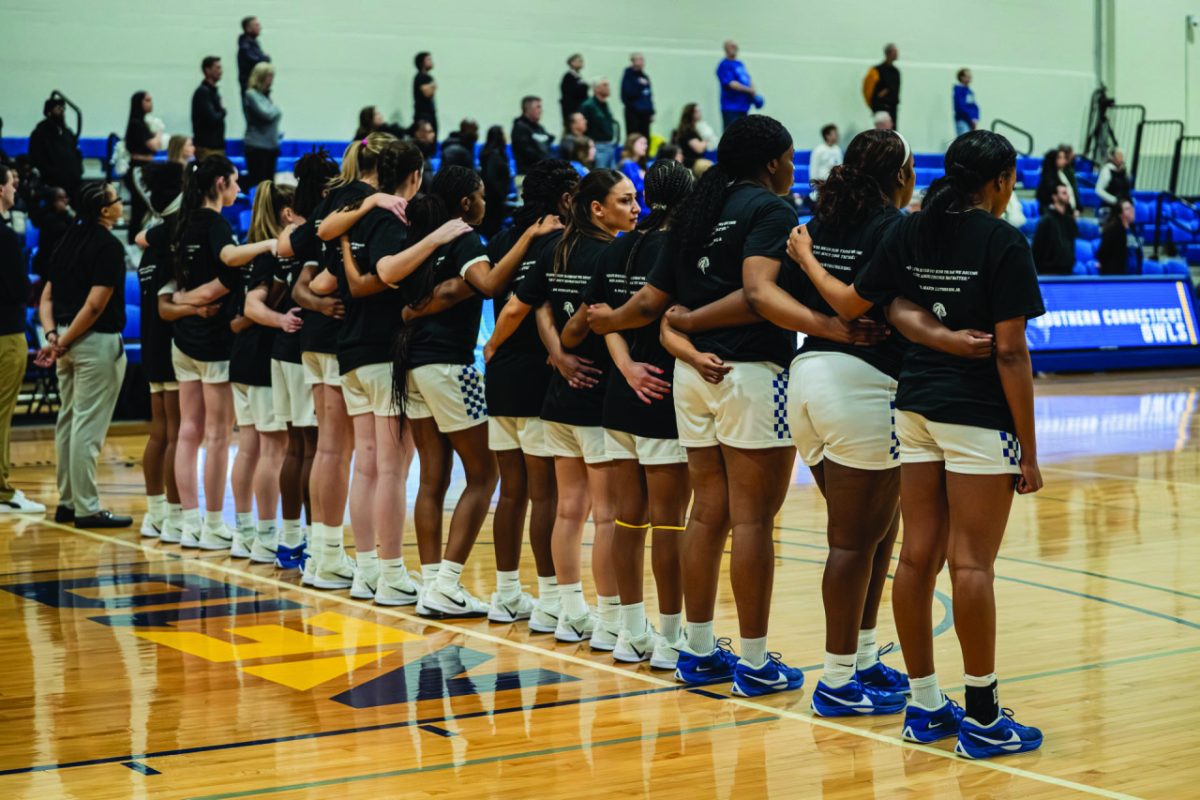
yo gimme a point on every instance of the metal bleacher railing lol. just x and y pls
(1154, 152)
(1003, 127)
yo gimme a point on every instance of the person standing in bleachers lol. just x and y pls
(1053, 174)
(601, 125)
(881, 86)
(1054, 240)
(824, 157)
(82, 311)
(208, 112)
(737, 90)
(573, 89)
(493, 165)
(142, 144)
(530, 141)
(250, 52)
(54, 149)
(423, 90)
(636, 97)
(262, 125)
(14, 290)
(1120, 251)
(1113, 184)
(966, 110)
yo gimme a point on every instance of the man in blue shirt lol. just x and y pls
(635, 95)
(737, 90)
(966, 112)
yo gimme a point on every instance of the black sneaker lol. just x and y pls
(103, 519)
(64, 514)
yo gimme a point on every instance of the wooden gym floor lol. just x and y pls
(131, 670)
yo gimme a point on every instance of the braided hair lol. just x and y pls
(668, 183)
(545, 184)
(313, 172)
(199, 184)
(93, 198)
(974, 160)
(863, 183)
(425, 214)
(746, 147)
(594, 187)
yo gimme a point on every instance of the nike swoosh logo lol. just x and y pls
(1013, 738)
(638, 653)
(779, 681)
(865, 702)
(457, 603)
(933, 725)
(577, 631)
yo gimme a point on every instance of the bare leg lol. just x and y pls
(291, 470)
(436, 459)
(244, 465)
(573, 506)
(187, 449)
(171, 409)
(599, 476)
(926, 529)
(362, 489)
(479, 464)
(153, 455)
(274, 446)
(393, 456)
(669, 492)
(707, 531)
(627, 487)
(218, 426)
(543, 501)
(508, 523)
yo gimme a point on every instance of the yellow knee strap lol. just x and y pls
(621, 524)
(669, 528)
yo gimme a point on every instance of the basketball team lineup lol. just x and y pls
(691, 479)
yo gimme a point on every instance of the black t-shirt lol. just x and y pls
(517, 374)
(154, 272)
(250, 358)
(206, 235)
(450, 337)
(99, 261)
(288, 346)
(137, 133)
(753, 222)
(844, 253)
(320, 333)
(367, 333)
(614, 283)
(14, 282)
(564, 291)
(423, 107)
(983, 275)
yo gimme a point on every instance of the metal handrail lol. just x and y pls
(1028, 136)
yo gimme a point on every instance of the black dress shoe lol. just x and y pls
(103, 519)
(64, 514)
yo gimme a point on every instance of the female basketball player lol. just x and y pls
(966, 428)
(204, 249)
(649, 485)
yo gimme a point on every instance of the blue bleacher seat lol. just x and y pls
(1175, 266)
(31, 235)
(1088, 198)
(1030, 226)
(132, 292)
(1151, 267)
(244, 220)
(1193, 253)
(133, 321)
(1084, 250)
(929, 161)
(1080, 268)
(1030, 208)
(1144, 211)
(1088, 228)
(1029, 178)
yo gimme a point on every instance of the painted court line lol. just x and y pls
(641, 676)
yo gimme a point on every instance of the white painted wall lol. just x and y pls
(1155, 60)
(1033, 60)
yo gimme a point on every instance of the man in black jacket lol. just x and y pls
(573, 89)
(54, 150)
(208, 113)
(886, 96)
(530, 141)
(1054, 239)
(250, 52)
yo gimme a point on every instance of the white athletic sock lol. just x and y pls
(508, 584)
(700, 638)
(633, 619)
(926, 693)
(669, 625)
(429, 573)
(573, 604)
(754, 651)
(245, 521)
(190, 519)
(174, 514)
(317, 535)
(868, 653)
(265, 528)
(292, 534)
(548, 589)
(367, 560)
(392, 569)
(213, 520)
(334, 538)
(608, 610)
(449, 575)
(839, 669)
(156, 508)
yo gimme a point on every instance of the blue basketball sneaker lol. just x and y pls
(773, 676)
(714, 667)
(855, 700)
(925, 726)
(1003, 737)
(883, 678)
(290, 557)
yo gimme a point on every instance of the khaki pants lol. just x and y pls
(14, 354)
(89, 380)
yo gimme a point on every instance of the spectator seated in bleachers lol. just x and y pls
(1053, 175)
(1054, 240)
(1120, 251)
(370, 119)
(530, 141)
(1113, 183)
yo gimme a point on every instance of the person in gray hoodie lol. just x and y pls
(261, 142)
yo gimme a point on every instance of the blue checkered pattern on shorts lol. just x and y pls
(779, 387)
(894, 445)
(474, 398)
(1012, 448)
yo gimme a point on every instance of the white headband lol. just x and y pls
(907, 149)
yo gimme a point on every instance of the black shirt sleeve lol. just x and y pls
(662, 275)
(305, 243)
(262, 271)
(387, 237)
(535, 289)
(1013, 289)
(878, 280)
(467, 249)
(220, 235)
(769, 231)
(109, 269)
(594, 292)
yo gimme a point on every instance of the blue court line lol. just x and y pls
(144, 769)
(474, 762)
(1114, 662)
(339, 732)
(1148, 612)
(436, 730)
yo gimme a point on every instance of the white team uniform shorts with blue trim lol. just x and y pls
(843, 409)
(747, 409)
(450, 393)
(966, 449)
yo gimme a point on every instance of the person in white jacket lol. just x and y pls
(824, 157)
